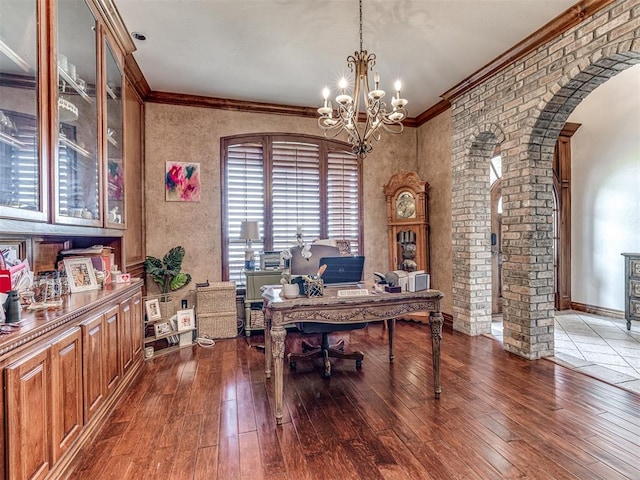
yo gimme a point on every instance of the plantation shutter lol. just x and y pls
(245, 201)
(343, 207)
(296, 192)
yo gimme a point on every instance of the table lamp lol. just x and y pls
(249, 232)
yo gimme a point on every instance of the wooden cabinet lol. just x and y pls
(66, 391)
(62, 121)
(93, 343)
(134, 237)
(28, 394)
(631, 287)
(111, 347)
(58, 391)
(253, 297)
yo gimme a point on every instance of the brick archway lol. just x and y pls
(529, 102)
(472, 238)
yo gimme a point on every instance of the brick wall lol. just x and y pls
(523, 108)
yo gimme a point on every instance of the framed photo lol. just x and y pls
(152, 308)
(162, 328)
(186, 319)
(80, 274)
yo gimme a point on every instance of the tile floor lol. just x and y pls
(598, 346)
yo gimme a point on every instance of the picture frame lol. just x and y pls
(162, 328)
(186, 319)
(152, 309)
(80, 274)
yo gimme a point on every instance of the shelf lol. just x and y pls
(9, 140)
(172, 348)
(74, 146)
(148, 340)
(14, 57)
(111, 93)
(65, 76)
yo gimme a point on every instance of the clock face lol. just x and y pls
(406, 205)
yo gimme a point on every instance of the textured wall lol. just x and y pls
(434, 167)
(192, 134)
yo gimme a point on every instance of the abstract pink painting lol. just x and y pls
(182, 182)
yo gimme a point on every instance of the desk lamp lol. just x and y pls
(249, 232)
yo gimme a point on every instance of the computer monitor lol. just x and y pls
(342, 271)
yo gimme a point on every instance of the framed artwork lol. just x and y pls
(13, 250)
(152, 308)
(182, 182)
(186, 319)
(162, 328)
(80, 274)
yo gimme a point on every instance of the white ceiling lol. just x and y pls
(285, 51)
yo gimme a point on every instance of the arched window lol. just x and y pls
(287, 183)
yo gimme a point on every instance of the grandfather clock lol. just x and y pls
(407, 222)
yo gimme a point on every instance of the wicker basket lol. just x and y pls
(218, 325)
(257, 319)
(218, 297)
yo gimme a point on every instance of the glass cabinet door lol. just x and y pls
(113, 134)
(77, 169)
(23, 192)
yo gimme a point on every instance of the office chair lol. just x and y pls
(302, 266)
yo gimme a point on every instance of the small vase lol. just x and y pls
(290, 290)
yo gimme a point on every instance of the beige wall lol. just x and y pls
(192, 134)
(434, 167)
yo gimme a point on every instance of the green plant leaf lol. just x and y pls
(180, 280)
(173, 259)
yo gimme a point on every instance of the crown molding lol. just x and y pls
(563, 22)
(136, 77)
(432, 112)
(115, 24)
(229, 104)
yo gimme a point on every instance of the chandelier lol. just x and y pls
(372, 112)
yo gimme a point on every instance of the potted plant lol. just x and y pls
(166, 272)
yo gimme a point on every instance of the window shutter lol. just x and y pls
(245, 201)
(296, 192)
(343, 187)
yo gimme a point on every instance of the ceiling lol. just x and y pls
(285, 51)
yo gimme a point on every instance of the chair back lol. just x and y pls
(302, 266)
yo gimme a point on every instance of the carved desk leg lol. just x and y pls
(278, 335)
(392, 330)
(435, 323)
(267, 343)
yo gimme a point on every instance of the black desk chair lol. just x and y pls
(302, 266)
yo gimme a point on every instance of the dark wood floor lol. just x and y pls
(207, 414)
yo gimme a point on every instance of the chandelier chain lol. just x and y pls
(361, 25)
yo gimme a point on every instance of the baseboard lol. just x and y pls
(605, 312)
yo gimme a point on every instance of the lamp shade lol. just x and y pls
(249, 230)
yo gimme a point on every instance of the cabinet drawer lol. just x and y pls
(634, 309)
(634, 268)
(634, 288)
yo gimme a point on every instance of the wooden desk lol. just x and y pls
(333, 309)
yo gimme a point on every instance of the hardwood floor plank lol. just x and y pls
(251, 460)
(208, 414)
(207, 465)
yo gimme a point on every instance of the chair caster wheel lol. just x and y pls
(358, 363)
